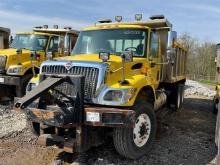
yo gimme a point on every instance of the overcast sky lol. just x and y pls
(200, 18)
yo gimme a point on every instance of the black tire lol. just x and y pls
(182, 91)
(21, 90)
(176, 97)
(123, 138)
(25, 82)
(215, 106)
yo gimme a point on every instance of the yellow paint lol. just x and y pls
(217, 91)
(24, 61)
(115, 26)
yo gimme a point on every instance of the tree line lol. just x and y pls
(200, 58)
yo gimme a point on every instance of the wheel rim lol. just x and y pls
(142, 129)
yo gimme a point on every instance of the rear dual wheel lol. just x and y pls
(135, 142)
(215, 106)
(177, 97)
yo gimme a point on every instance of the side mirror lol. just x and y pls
(171, 53)
(172, 37)
(66, 44)
(11, 39)
(19, 51)
(127, 56)
(104, 56)
(49, 55)
(61, 46)
(33, 55)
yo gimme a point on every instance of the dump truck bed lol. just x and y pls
(176, 71)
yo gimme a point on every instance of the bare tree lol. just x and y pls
(201, 55)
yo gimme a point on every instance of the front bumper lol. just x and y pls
(10, 80)
(108, 117)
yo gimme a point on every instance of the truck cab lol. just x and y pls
(27, 51)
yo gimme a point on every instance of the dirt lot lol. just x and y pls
(185, 137)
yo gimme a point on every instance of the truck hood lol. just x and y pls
(114, 62)
(13, 58)
(11, 51)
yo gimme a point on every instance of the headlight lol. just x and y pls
(113, 95)
(15, 70)
(2, 60)
(110, 96)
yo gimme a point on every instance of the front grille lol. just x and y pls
(90, 73)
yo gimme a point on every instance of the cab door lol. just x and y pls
(155, 58)
(53, 46)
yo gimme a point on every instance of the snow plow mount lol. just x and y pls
(50, 107)
(69, 111)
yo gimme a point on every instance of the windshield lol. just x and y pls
(30, 41)
(114, 41)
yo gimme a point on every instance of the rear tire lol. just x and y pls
(215, 106)
(182, 94)
(135, 142)
(177, 97)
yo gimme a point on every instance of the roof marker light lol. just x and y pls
(118, 18)
(138, 17)
(55, 26)
(45, 26)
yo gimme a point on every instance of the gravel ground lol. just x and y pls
(195, 88)
(184, 137)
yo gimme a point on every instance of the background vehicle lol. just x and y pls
(216, 102)
(21, 61)
(216, 98)
(4, 37)
(117, 77)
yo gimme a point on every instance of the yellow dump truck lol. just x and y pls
(118, 76)
(27, 51)
(4, 37)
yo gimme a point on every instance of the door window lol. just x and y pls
(54, 44)
(154, 45)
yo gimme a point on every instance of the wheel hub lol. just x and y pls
(142, 129)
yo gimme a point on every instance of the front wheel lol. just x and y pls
(135, 142)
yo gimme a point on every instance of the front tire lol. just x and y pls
(135, 142)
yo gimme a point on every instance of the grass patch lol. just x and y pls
(207, 82)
